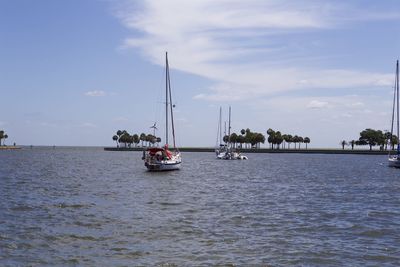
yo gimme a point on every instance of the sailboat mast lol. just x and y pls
(220, 125)
(397, 91)
(171, 107)
(166, 97)
(224, 129)
(219, 130)
(229, 126)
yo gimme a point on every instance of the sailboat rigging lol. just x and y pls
(164, 159)
(227, 151)
(394, 160)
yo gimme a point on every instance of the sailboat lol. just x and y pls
(220, 146)
(394, 160)
(163, 158)
(228, 152)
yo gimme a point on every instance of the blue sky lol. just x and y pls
(74, 72)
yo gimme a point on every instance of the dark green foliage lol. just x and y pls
(277, 138)
(123, 137)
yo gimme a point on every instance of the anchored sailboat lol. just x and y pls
(164, 159)
(227, 151)
(220, 146)
(394, 160)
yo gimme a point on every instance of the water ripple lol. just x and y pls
(84, 206)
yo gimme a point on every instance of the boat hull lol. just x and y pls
(230, 156)
(394, 162)
(158, 159)
(157, 167)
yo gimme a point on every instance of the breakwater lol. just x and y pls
(267, 150)
(9, 147)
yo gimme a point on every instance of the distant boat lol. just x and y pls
(227, 151)
(220, 146)
(164, 159)
(394, 160)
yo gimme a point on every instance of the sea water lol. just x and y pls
(89, 207)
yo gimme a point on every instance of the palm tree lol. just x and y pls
(306, 141)
(278, 139)
(301, 140)
(271, 137)
(124, 138)
(233, 139)
(115, 138)
(393, 141)
(1, 136)
(247, 137)
(240, 140)
(343, 143)
(295, 139)
(142, 138)
(130, 140)
(352, 143)
(5, 137)
(284, 136)
(260, 138)
(136, 139)
(119, 133)
(151, 139)
(289, 140)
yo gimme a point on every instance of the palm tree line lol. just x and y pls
(123, 138)
(3, 136)
(246, 137)
(276, 139)
(370, 137)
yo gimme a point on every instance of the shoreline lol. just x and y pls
(9, 147)
(267, 150)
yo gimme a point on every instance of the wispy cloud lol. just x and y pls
(95, 93)
(315, 104)
(237, 44)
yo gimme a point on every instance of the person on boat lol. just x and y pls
(168, 153)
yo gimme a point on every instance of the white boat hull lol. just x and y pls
(155, 163)
(231, 156)
(394, 161)
(163, 166)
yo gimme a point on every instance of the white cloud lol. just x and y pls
(274, 56)
(235, 44)
(357, 104)
(315, 104)
(95, 93)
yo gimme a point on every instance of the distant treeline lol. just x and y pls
(277, 139)
(245, 139)
(127, 140)
(254, 139)
(370, 137)
(3, 137)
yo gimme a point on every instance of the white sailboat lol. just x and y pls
(394, 160)
(228, 152)
(164, 159)
(220, 146)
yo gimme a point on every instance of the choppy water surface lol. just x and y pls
(85, 206)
